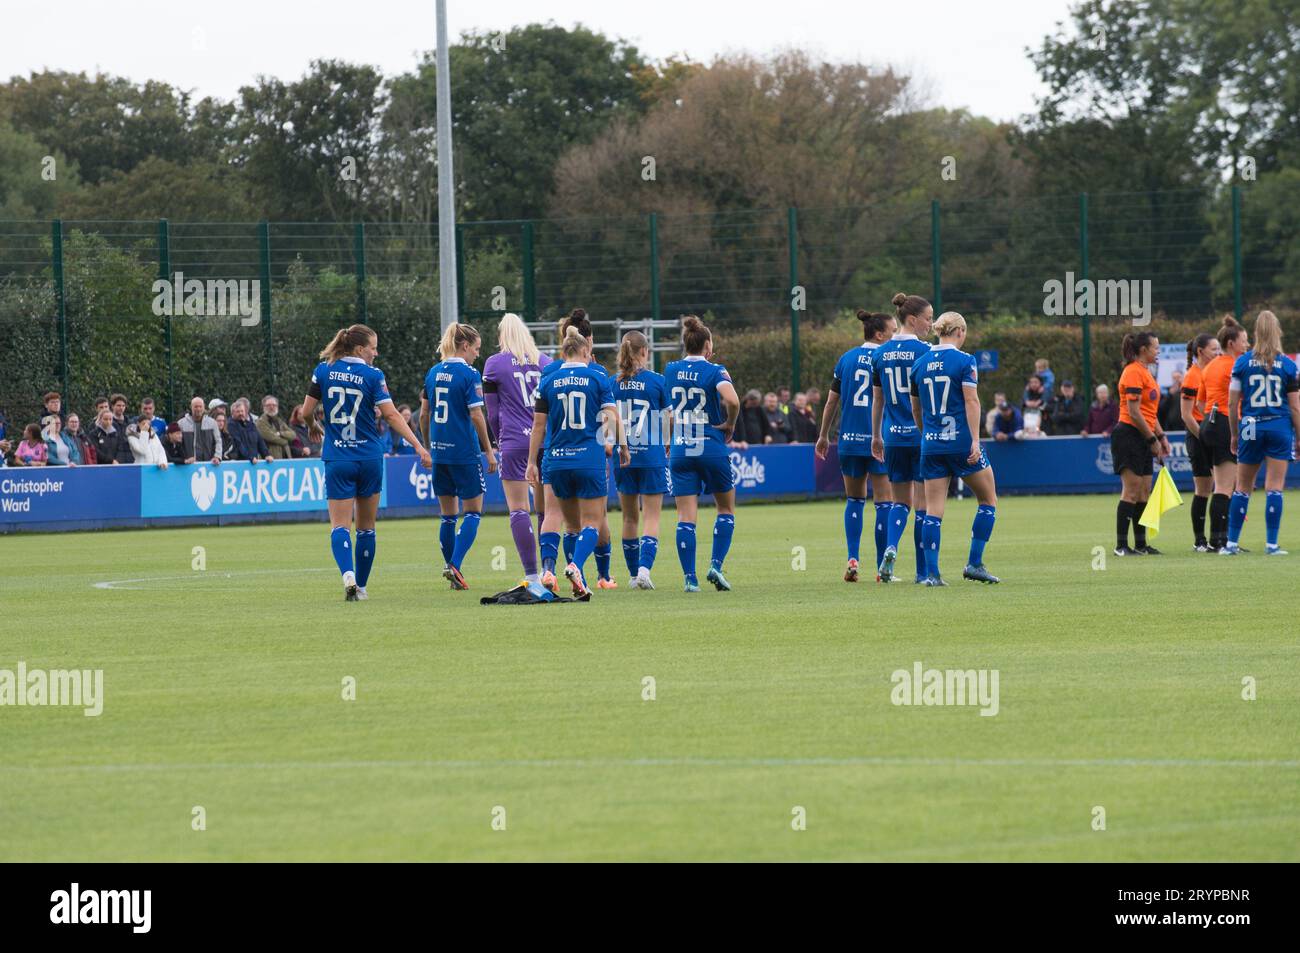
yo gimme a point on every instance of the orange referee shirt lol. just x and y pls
(1137, 383)
(1215, 379)
(1191, 385)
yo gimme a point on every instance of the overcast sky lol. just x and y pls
(968, 53)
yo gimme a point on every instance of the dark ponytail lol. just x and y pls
(874, 323)
(1196, 345)
(577, 318)
(909, 306)
(1134, 343)
(694, 334)
(1230, 331)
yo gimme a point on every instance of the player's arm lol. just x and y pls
(828, 415)
(971, 395)
(1234, 408)
(395, 422)
(540, 414)
(918, 416)
(877, 411)
(484, 438)
(424, 417)
(1293, 404)
(731, 404)
(1187, 405)
(613, 423)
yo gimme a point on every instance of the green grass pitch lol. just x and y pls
(1120, 688)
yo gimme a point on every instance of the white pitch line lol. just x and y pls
(586, 763)
(124, 584)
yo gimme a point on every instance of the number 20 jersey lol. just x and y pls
(349, 390)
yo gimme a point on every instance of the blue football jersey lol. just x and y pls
(553, 368)
(452, 388)
(350, 389)
(692, 385)
(939, 378)
(891, 370)
(1264, 389)
(572, 398)
(853, 382)
(642, 400)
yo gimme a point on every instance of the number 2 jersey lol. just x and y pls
(452, 389)
(891, 370)
(697, 408)
(940, 377)
(349, 390)
(853, 384)
(571, 396)
(1263, 389)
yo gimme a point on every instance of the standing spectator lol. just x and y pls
(108, 440)
(777, 421)
(173, 443)
(1066, 414)
(101, 403)
(1035, 398)
(999, 398)
(85, 446)
(202, 434)
(1045, 374)
(245, 437)
(783, 400)
(54, 405)
(117, 404)
(31, 451)
(1103, 414)
(802, 422)
(157, 423)
(60, 448)
(1170, 410)
(1008, 424)
(275, 430)
(4, 425)
(401, 448)
(752, 427)
(310, 436)
(146, 448)
(814, 401)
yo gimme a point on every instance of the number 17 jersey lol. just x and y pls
(940, 377)
(349, 389)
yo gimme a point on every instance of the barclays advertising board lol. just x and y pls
(234, 488)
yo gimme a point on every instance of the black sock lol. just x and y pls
(1123, 513)
(1139, 531)
(1219, 520)
(1199, 504)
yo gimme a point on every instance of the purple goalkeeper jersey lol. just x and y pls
(509, 389)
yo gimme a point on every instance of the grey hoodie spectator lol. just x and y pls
(751, 424)
(202, 435)
(275, 430)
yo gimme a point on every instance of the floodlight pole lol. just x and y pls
(447, 295)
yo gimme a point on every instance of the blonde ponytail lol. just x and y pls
(514, 338)
(456, 335)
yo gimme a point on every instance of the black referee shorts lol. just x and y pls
(1199, 455)
(1129, 451)
(1217, 439)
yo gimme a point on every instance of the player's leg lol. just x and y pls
(900, 492)
(367, 509)
(521, 526)
(449, 507)
(340, 511)
(880, 495)
(1126, 512)
(651, 507)
(855, 502)
(919, 504)
(936, 498)
(1274, 483)
(724, 527)
(1225, 481)
(687, 510)
(465, 536)
(1203, 489)
(552, 520)
(591, 510)
(629, 505)
(1240, 502)
(1139, 531)
(983, 485)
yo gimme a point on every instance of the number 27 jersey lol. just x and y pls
(349, 390)
(939, 381)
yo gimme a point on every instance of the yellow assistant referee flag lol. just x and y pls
(1164, 496)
